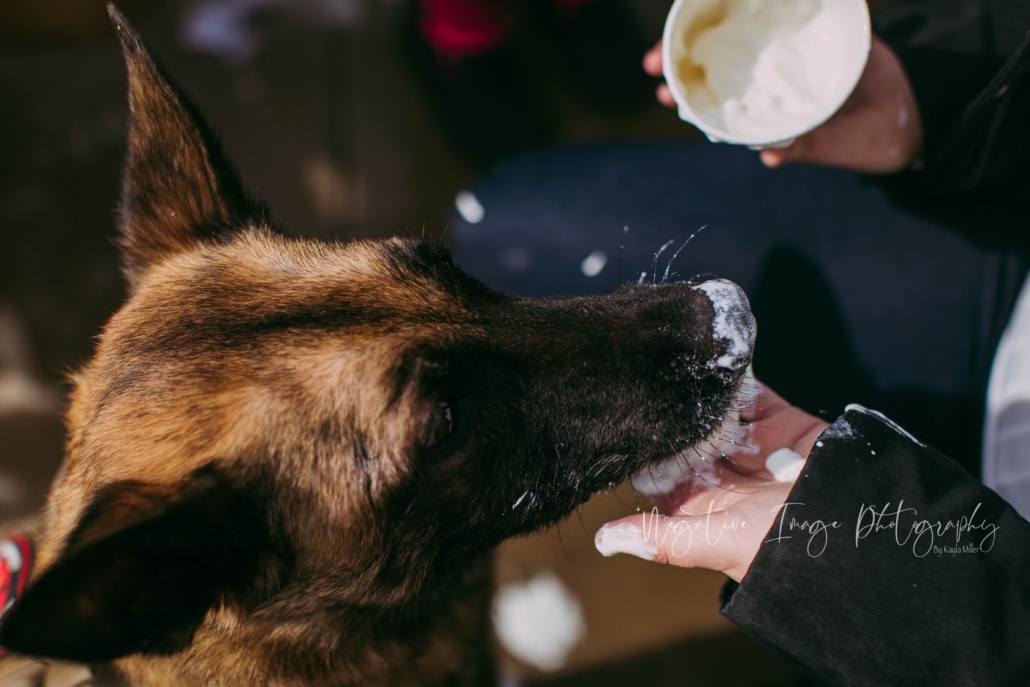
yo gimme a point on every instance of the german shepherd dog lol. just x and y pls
(290, 460)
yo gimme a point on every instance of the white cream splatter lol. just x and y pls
(594, 263)
(624, 537)
(469, 207)
(538, 621)
(784, 464)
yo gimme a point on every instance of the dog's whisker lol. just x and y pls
(735, 491)
(675, 255)
(732, 462)
(748, 423)
(707, 455)
(749, 392)
(654, 263)
(731, 440)
(731, 432)
(682, 454)
(561, 541)
(579, 516)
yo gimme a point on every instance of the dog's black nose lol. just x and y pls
(733, 325)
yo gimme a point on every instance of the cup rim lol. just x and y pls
(718, 135)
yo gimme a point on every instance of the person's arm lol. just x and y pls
(923, 580)
(969, 65)
(882, 563)
(878, 130)
(941, 108)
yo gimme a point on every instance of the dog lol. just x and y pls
(289, 461)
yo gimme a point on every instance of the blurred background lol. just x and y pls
(335, 113)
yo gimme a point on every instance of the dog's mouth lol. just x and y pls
(733, 330)
(670, 482)
(649, 374)
(708, 464)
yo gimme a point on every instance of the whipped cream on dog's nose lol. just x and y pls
(734, 324)
(761, 67)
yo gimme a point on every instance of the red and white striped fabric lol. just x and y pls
(16, 557)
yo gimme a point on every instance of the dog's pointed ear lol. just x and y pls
(178, 189)
(146, 586)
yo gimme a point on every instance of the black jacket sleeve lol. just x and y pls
(891, 565)
(969, 65)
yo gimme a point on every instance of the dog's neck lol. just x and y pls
(301, 639)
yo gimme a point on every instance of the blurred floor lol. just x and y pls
(323, 121)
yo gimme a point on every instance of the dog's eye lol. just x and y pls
(442, 425)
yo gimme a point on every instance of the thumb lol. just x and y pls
(798, 151)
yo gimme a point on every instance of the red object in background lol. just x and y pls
(464, 27)
(16, 558)
(457, 28)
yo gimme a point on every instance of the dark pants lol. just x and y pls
(857, 299)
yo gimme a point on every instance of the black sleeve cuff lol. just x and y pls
(973, 94)
(890, 565)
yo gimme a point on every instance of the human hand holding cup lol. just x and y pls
(801, 82)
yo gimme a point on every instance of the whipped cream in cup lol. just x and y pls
(763, 72)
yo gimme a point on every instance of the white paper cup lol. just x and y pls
(761, 73)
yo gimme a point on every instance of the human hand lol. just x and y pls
(877, 131)
(719, 514)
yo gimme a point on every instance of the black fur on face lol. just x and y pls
(550, 401)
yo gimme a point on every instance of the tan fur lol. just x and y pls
(261, 484)
(268, 402)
